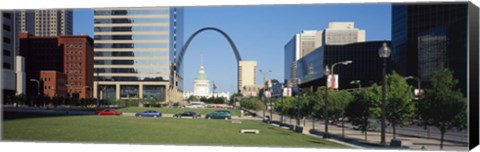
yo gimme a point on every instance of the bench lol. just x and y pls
(250, 131)
(239, 122)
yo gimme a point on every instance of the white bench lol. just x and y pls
(250, 131)
(239, 122)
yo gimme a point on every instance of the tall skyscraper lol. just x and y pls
(427, 37)
(337, 33)
(135, 50)
(49, 22)
(8, 56)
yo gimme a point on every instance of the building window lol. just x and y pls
(7, 28)
(7, 65)
(7, 53)
(7, 40)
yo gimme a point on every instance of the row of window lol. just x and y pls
(131, 54)
(133, 70)
(131, 62)
(131, 20)
(132, 45)
(131, 12)
(132, 29)
(131, 37)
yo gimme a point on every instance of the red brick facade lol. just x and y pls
(71, 55)
(54, 83)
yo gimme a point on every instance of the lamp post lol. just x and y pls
(384, 53)
(298, 103)
(326, 72)
(264, 73)
(342, 62)
(419, 87)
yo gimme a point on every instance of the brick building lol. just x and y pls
(71, 55)
(54, 83)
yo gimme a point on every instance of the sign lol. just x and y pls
(287, 92)
(268, 94)
(332, 81)
(418, 93)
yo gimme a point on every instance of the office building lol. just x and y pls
(247, 74)
(54, 83)
(341, 33)
(8, 55)
(427, 37)
(366, 66)
(337, 33)
(70, 54)
(47, 22)
(135, 50)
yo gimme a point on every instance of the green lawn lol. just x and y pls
(168, 131)
(202, 111)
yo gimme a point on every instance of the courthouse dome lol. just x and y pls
(201, 74)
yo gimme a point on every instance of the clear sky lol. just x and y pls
(259, 32)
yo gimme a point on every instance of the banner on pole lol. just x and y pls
(332, 81)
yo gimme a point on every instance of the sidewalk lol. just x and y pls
(357, 138)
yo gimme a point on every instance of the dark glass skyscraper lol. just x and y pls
(426, 37)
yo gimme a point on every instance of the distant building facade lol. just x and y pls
(70, 54)
(302, 44)
(45, 22)
(247, 74)
(135, 52)
(366, 67)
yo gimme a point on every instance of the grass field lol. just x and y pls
(167, 131)
(202, 111)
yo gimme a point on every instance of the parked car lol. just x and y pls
(187, 114)
(218, 115)
(224, 111)
(149, 113)
(108, 112)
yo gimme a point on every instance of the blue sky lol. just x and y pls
(259, 32)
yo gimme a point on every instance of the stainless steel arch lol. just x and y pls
(184, 48)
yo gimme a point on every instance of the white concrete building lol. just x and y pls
(341, 33)
(337, 33)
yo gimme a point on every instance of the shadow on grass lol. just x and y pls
(25, 115)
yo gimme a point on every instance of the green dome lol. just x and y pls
(201, 74)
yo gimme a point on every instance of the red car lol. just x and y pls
(108, 112)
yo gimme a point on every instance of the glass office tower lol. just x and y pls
(135, 50)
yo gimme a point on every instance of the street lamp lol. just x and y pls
(356, 82)
(326, 72)
(419, 87)
(264, 73)
(342, 62)
(384, 53)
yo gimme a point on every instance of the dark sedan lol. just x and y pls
(187, 114)
(149, 113)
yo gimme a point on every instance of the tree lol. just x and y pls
(337, 102)
(192, 98)
(400, 105)
(365, 104)
(251, 103)
(445, 105)
(285, 106)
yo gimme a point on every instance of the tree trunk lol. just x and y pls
(313, 123)
(366, 127)
(343, 127)
(442, 132)
(304, 119)
(394, 130)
